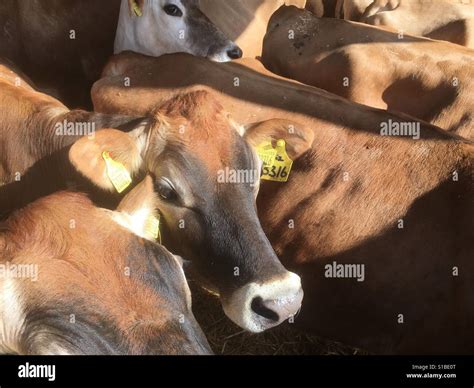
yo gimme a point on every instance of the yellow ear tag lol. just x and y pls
(266, 153)
(117, 173)
(279, 170)
(136, 9)
(152, 228)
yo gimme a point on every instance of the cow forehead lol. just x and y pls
(200, 127)
(212, 151)
(189, 3)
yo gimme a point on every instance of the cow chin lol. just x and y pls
(220, 57)
(258, 307)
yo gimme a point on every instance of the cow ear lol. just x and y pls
(110, 154)
(298, 137)
(137, 211)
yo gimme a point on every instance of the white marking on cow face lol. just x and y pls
(172, 26)
(242, 130)
(12, 317)
(258, 307)
(135, 222)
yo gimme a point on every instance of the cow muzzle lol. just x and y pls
(258, 307)
(225, 54)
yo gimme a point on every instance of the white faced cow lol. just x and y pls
(64, 45)
(157, 27)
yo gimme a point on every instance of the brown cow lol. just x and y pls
(186, 145)
(451, 20)
(430, 80)
(74, 280)
(34, 125)
(393, 208)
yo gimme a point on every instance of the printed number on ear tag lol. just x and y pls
(117, 173)
(152, 228)
(136, 9)
(266, 153)
(277, 168)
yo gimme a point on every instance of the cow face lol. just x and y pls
(99, 289)
(157, 27)
(206, 179)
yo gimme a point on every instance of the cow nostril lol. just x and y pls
(258, 307)
(235, 53)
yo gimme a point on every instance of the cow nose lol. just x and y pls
(277, 310)
(235, 53)
(259, 306)
(264, 309)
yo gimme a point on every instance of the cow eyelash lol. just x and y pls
(165, 190)
(172, 10)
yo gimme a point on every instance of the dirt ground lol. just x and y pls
(226, 338)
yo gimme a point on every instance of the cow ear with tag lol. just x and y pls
(109, 159)
(297, 137)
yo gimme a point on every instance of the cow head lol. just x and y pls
(158, 27)
(206, 176)
(99, 288)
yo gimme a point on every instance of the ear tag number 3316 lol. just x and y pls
(276, 162)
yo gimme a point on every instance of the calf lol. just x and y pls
(63, 45)
(393, 207)
(187, 146)
(162, 26)
(35, 125)
(74, 280)
(430, 80)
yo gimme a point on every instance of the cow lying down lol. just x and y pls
(377, 222)
(185, 145)
(430, 80)
(77, 279)
(450, 20)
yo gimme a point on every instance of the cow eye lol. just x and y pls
(165, 190)
(173, 10)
